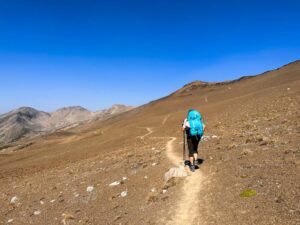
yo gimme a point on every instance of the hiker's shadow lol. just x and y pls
(188, 163)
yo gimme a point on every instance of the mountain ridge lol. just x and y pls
(199, 84)
(28, 121)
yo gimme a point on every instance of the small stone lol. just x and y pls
(263, 143)
(124, 178)
(115, 183)
(146, 177)
(153, 189)
(14, 200)
(154, 164)
(10, 220)
(90, 189)
(130, 155)
(42, 202)
(231, 146)
(157, 152)
(53, 200)
(246, 152)
(37, 212)
(117, 217)
(164, 191)
(67, 216)
(175, 172)
(124, 194)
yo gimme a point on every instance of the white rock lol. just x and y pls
(14, 200)
(10, 220)
(214, 136)
(124, 178)
(37, 212)
(164, 191)
(153, 189)
(115, 183)
(205, 138)
(145, 177)
(153, 148)
(90, 189)
(42, 202)
(288, 89)
(175, 172)
(53, 200)
(124, 194)
(154, 164)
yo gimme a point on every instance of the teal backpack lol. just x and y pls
(195, 120)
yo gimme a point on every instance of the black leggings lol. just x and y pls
(193, 142)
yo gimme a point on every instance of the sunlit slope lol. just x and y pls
(102, 137)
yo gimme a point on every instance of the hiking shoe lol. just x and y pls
(192, 168)
(196, 162)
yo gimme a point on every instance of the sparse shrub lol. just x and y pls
(248, 193)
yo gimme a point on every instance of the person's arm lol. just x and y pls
(203, 124)
(184, 125)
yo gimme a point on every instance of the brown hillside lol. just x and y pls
(251, 142)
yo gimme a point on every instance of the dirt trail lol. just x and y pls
(165, 120)
(177, 161)
(150, 131)
(187, 208)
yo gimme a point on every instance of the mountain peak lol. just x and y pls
(71, 108)
(27, 121)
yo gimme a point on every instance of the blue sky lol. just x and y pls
(56, 53)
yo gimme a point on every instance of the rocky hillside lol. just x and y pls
(22, 121)
(112, 171)
(28, 122)
(67, 116)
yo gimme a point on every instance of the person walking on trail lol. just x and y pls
(194, 127)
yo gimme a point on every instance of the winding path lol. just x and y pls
(150, 131)
(186, 210)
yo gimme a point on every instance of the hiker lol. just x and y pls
(193, 126)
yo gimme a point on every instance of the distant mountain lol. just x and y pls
(23, 121)
(28, 122)
(113, 110)
(69, 115)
